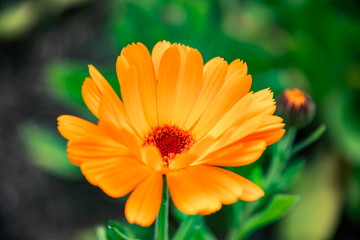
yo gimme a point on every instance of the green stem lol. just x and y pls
(161, 224)
(310, 139)
(281, 155)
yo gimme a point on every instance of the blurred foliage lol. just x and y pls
(309, 44)
(47, 151)
(19, 18)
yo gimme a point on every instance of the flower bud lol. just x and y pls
(296, 107)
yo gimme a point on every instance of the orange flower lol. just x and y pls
(177, 118)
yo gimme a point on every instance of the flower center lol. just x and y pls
(170, 140)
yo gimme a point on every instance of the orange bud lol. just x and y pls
(296, 107)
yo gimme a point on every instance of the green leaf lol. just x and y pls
(101, 233)
(18, 19)
(290, 173)
(65, 78)
(47, 150)
(188, 227)
(257, 176)
(115, 231)
(280, 205)
(203, 233)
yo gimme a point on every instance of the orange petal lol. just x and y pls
(167, 80)
(271, 130)
(116, 177)
(92, 150)
(132, 101)
(101, 83)
(237, 154)
(138, 56)
(236, 85)
(196, 152)
(228, 181)
(113, 112)
(236, 133)
(157, 54)
(235, 116)
(152, 157)
(214, 75)
(188, 86)
(189, 195)
(71, 127)
(91, 95)
(264, 102)
(124, 136)
(122, 65)
(220, 181)
(251, 106)
(143, 205)
(251, 191)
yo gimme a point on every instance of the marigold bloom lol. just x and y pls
(179, 118)
(297, 107)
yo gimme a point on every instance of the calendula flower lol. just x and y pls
(297, 107)
(179, 118)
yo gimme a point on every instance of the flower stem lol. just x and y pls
(310, 139)
(161, 224)
(281, 155)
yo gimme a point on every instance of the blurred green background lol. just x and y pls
(46, 45)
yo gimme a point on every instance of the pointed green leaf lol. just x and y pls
(279, 206)
(188, 227)
(204, 233)
(115, 231)
(310, 139)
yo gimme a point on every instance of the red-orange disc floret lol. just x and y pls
(170, 140)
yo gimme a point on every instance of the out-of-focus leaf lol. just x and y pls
(204, 233)
(89, 233)
(279, 206)
(188, 227)
(65, 78)
(101, 233)
(353, 194)
(290, 173)
(115, 231)
(343, 130)
(47, 151)
(317, 214)
(139, 232)
(17, 19)
(257, 176)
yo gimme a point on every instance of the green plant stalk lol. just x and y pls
(310, 139)
(161, 224)
(281, 156)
